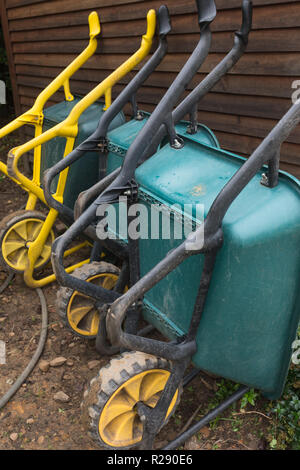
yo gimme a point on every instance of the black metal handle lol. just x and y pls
(85, 198)
(265, 152)
(158, 117)
(164, 21)
(162, 115)
(247, 10)
(206, 12)
(188, 103)
(193, 99)
(91, 144)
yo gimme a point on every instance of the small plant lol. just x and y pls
(250, 398)
(236, 424)
(286, 431)
(225, 389)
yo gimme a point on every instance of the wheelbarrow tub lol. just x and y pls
(120, 139)
(83, 173)
(253, 306)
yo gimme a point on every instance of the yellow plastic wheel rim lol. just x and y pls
(83, 316)
(119, 423)
(16, 242)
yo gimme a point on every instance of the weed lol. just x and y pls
(249, 397)
(285, 432)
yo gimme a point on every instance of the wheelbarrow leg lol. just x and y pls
(153, 418)
(182, 438)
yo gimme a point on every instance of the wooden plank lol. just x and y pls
(62, 60)
(240, 125)
(279, 16)
(106, 46)
(37, 74)
(273, 40)
(77, 87)
(47, 35)
(247, 145)
(250, 64)
(50, 8)
(129, 28)
(260, 41)
(67, 6)
(26, 102)
(107, 15)
(17, 3)
(230, 123)
(292, 169)
(277, 87)
(11, 65)
(260, 107)
(242, 145)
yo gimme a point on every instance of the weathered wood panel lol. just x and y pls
(45, 36)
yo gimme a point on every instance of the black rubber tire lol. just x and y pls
(119, 370)
(84, 273)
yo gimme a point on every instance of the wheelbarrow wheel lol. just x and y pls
(17, 231)
(78, 311)
(109, 406)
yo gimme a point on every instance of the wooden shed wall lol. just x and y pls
(44, 36)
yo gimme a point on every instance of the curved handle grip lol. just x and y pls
(94, 24)
(164, 21)
(206, 11)
(247, 10)
(151, 25)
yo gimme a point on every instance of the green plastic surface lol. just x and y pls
(121, 139)
(83, 173)
(253, 306)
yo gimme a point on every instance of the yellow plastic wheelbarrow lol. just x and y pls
(26, 236)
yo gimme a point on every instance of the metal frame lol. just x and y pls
(266, 153)
(119, 181)
(69, 130)
(179, 352)
(35, 115)
(185, 107)
(98, 142)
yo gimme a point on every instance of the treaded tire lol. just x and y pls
(111, 377)
(65, 294)
(8, 222)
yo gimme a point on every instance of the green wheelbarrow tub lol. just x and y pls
(253, 306)
(83, 173)
(120, 139)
